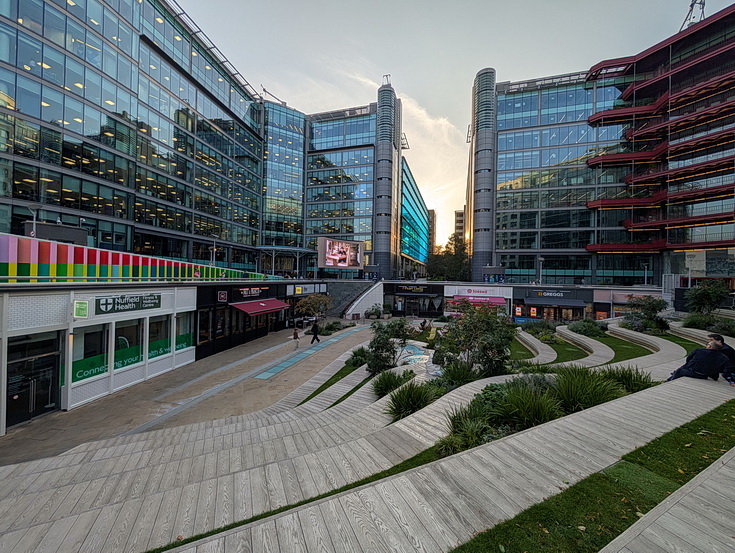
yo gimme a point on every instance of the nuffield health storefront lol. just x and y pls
(61, 349)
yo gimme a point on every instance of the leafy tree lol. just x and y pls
(481, 336)
(452, 262)
(706, 297)
(648, 306)
(389, 341)
(313, 304)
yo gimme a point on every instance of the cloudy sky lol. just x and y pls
(320, 55)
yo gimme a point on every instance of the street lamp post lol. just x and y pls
(33, 208)
(213, 250)
(540, 270)
(645, 274)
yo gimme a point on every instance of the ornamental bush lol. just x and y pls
(409, 399)
(587, 327)
(387, 381)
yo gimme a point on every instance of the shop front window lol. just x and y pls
(204, 326)
(184, 330)
(159, 336)
(128, 343)
(89, 352)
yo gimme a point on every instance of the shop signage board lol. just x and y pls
(121, 304)
(81, 309)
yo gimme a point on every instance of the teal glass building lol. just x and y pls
(122, 118)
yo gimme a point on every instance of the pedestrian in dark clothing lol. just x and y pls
(315, 332)
(729, 373)
(703, 363)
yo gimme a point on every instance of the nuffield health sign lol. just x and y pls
(121, 304)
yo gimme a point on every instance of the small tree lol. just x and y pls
(387, 345)
(706, 297)
(481, 337)
(648, 306)
(313, 304)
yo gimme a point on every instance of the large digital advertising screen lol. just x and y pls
(339, 254)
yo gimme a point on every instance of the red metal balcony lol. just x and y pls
(652, 201)
(628, 157)
(648, 247)
(674, 220)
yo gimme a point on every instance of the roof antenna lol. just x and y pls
(386, 78)
(691, 17)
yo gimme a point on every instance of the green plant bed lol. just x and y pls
(567, 352)
(518, 351)
(588, 515)
(683, 342)
(623, 349)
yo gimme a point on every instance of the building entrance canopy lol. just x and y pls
(259, 307)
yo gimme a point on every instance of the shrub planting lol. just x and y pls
(409, 399)
(588, 327)
(387, 381)
(579, 388)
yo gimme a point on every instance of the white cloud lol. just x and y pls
(438, 160)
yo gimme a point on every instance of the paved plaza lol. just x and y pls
(231, 437)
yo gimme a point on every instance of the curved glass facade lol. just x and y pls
(283, 210)
(99, 125)
(414, 221)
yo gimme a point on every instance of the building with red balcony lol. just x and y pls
(677, 106)
(617, 175)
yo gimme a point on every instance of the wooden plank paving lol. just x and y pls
(698, 517)
(471, 491)
(201, 480)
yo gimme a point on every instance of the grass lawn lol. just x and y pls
(518, 351)
(623, 349)
(588, 515)
(683, 342)
(567, 352)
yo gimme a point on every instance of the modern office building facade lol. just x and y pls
(123, 119)
(414, 226)
(617, 175)
(459, 222)
(354, 180)
(676, 200)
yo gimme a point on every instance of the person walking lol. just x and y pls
(315, 332)
(296, 337)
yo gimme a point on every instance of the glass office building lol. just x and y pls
(414, 226)
(676, 197)
(121, 118)
(282, 236)
(618, 175)
(543, 182)
(354, 179)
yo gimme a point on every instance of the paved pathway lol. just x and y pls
(138, 405)
(435, 507)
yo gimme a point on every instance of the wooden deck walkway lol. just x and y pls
(119, 498)
(598, 353)
(699, 517)
(438, 506)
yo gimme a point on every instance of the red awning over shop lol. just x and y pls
(259, 307)
(494, 300)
